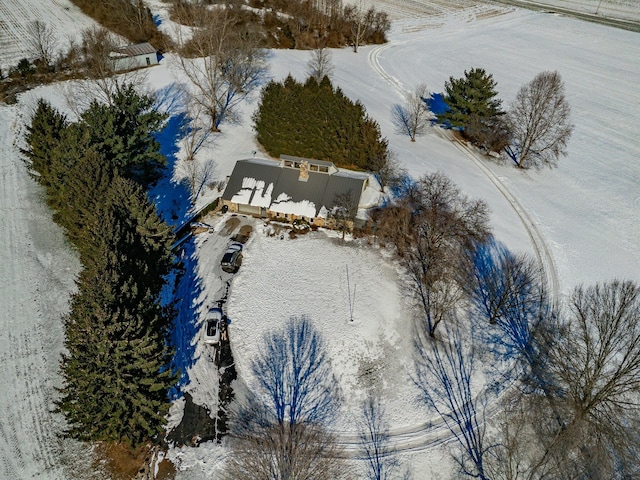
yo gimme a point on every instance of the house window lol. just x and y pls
(324, 169)
(148, 61)
(313, 168)
(286, 215)
(288, 163)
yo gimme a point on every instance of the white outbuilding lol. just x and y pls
(134, 56)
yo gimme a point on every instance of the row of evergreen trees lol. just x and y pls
(94, 172)
(314, 120)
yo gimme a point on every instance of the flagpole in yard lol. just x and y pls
(352, 300)
(598, 7)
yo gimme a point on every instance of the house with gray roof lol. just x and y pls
(295, 187)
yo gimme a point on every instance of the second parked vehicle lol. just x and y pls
(212, 327)
(232, 259)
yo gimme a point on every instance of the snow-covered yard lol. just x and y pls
(581, 217)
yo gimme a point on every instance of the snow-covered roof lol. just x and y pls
(266, 183)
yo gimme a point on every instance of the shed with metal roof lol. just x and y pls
(134, 56)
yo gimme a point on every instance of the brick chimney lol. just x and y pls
(304, 171)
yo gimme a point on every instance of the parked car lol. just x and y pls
(232, 258)
(212, 326)
(231, 261)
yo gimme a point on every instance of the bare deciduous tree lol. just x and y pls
(42, 43)
(102, 82)
(194, 131)
(357, 17)
(381, 464)
(597, 369)
(444, 371)
(286, 452)
(98, 44)
(514, 318)
(433, 227)
(386, 168)
(540, 123)
(344, 211)
(197, 173)
(586, 424)
(516, 452)
(492, 135)
(279, 431)
(413, 117)
(320, 64)
(228, 67)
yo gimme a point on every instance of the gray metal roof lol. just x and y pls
(266, 171)
(340, 185)
(137, 49)
(320, 188)
(311, 190)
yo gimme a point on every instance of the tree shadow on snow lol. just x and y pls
(182, 337)
(172, 201)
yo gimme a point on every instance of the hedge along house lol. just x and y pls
(298, 188)
(134, 56)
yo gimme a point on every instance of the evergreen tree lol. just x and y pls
(317, 121)
(84, 190)
(123, 133)
(115, 375)
(54, 146)
(115, 370)
(43, 136)
(472, 102)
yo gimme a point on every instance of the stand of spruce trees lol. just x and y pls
(314, 120)
(94, 172)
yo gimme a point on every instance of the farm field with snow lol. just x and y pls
(65, 19)
(580, 219)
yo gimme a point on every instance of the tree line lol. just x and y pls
(561, 390)
(130, 19)
(301, 25)
(315, 120)
(94, 173)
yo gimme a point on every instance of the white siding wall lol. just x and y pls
(128, 63)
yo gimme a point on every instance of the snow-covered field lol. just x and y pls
(63, 18)
(581, 218)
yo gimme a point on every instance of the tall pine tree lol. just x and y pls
(470, 97)
(115, 372)
(85, 189)
(48, 144)
(123, 133)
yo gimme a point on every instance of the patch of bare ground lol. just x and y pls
(230, 225)
(246, 230)
(121, 462)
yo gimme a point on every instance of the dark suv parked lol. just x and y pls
(231, 260)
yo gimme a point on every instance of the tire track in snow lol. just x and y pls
(538, 241)
(540, 246)
(36, 277)
(28, 444)
(430, 434)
